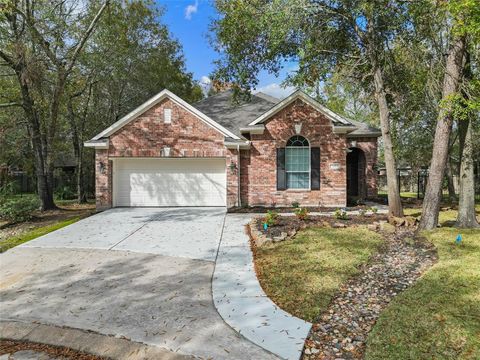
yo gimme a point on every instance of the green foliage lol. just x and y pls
(340, 214)
(295, 204)
(65, 193)
(301, 213)
(373, 209)
(18, 209)
(362, 211)
(9, 188)
(271, 219)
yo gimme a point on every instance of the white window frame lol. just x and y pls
(167, 116)
(309, 165)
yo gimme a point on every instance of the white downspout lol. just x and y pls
(239, 201)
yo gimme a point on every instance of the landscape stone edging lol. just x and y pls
(84, 341)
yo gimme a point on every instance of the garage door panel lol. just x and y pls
(170, 182)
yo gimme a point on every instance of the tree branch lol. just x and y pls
(85, 37)
(10, 104)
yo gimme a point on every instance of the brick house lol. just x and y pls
(220, 153)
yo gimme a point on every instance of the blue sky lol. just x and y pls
(188, 21)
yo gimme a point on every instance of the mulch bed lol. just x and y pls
(288, 224)
(342, 330)
(263, 209)
(10, 347)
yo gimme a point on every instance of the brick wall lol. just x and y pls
(259, 170)
(146, 136)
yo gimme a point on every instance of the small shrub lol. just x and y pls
(362, 211)
(340, 214)
(18, 209)
(271, 219)
(301, 213)
(65, 193)
(373, 209)
(295, 204)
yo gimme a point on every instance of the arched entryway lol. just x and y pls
(356, 174)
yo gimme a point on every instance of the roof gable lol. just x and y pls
(152, 102)
(335, 118)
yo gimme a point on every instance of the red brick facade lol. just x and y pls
(189, 136)
(147, 135)
(259, 183)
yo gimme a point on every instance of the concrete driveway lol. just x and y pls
(141, 273)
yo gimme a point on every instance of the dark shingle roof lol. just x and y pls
(363, 130)
(233, 116)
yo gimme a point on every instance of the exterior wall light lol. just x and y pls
(353, 143)
(101, 167)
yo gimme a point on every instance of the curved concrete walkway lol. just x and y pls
(243, 304)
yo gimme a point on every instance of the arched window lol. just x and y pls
(297, 163)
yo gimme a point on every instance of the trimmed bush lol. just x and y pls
(18, 209)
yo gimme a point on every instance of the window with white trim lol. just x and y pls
(297, 163)
(167, 116)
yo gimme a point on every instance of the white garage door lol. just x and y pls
(169, 182)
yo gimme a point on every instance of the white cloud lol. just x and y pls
(190, 10)
(276, 90)
(205, 80)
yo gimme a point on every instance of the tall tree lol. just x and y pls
(40, 44)
(461, 17)
(468, 114)
(112, 80)
(324, 37)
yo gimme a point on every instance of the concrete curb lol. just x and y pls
(85, 341)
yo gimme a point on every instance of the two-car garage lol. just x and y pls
(169, 182)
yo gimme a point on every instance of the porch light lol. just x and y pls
(101, 167)
(353, 143)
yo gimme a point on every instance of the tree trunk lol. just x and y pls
(451, 187)
(467, 217)
(433, 193)
(466, 205)
(394, 202)
(44, 185)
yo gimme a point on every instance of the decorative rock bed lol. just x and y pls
(341, 331)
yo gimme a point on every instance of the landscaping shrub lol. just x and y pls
(271, 218)
(301, 213)
(295, 204)
(362, 211)
(373, 209)
(65, 193)
(18, 209)
(340, 214)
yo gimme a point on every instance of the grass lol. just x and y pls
(439, 316)
(302, 275)
(30, 235)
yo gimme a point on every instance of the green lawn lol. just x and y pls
(30, 235)
(439, 316)
(301, 275)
